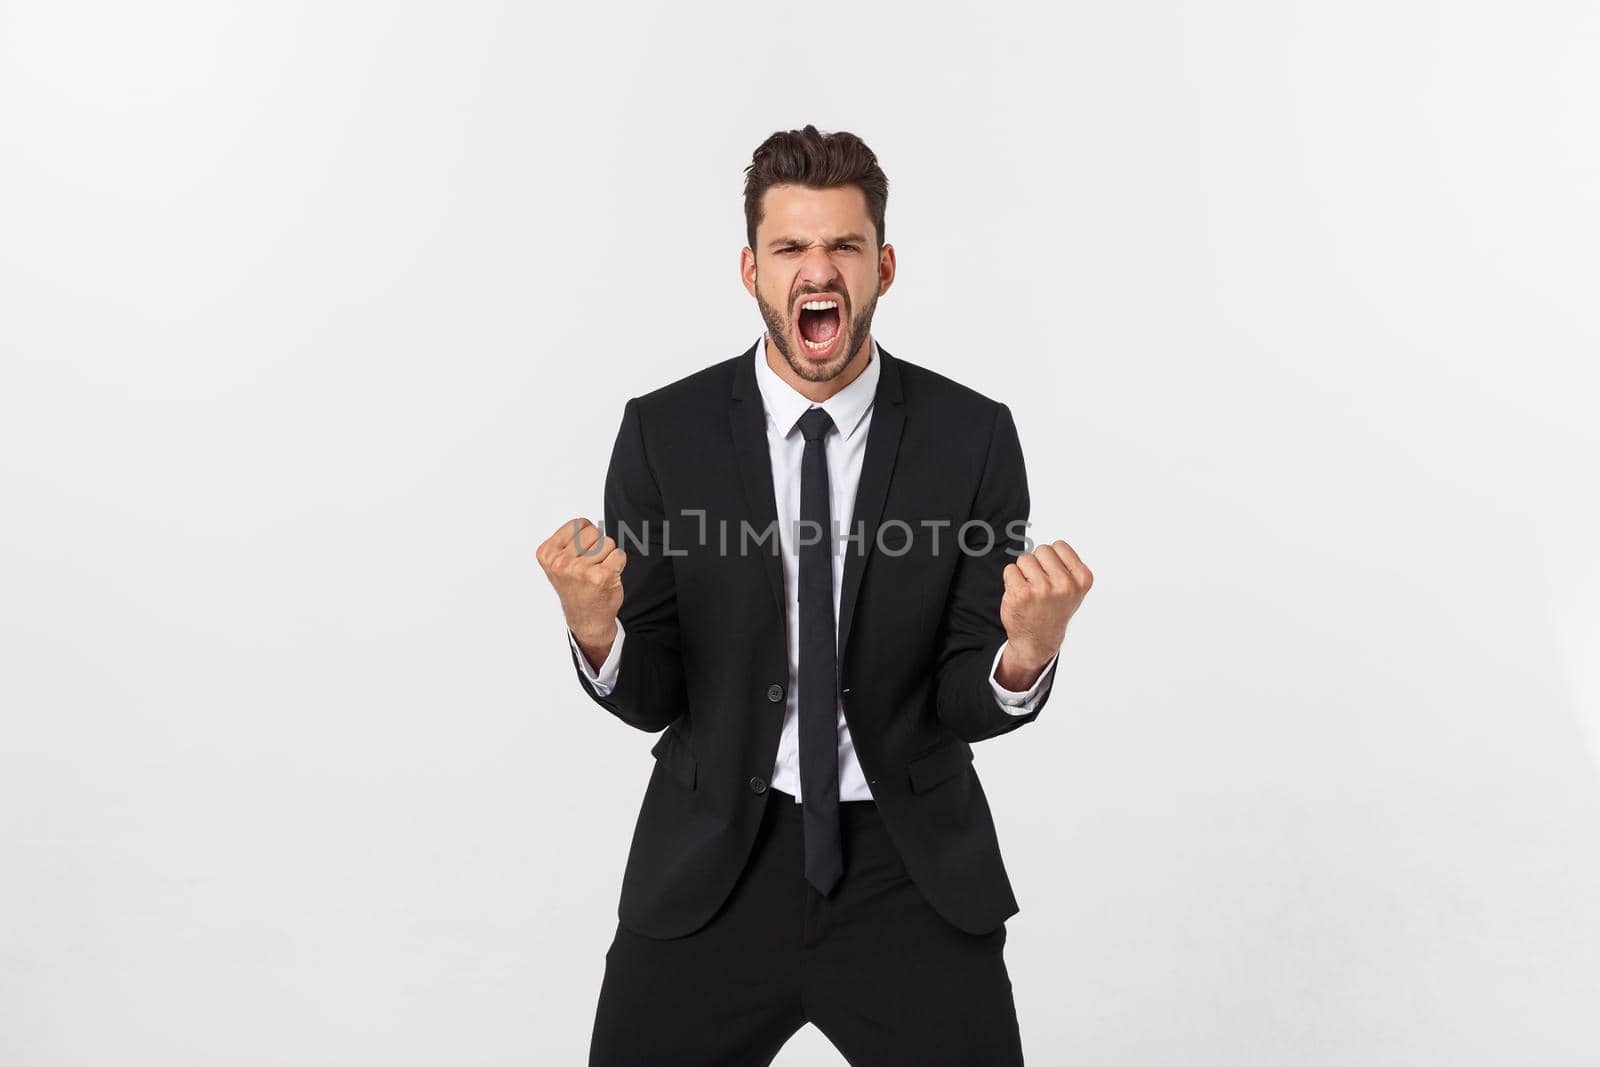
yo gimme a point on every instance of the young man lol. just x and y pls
(821, 597)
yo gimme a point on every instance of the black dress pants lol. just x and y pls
(884, 977)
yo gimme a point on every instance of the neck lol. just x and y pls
(817, 392)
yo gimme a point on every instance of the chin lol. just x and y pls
(815, 370)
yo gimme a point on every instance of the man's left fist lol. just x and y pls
(1043, 588)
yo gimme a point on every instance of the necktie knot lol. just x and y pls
(814, 423)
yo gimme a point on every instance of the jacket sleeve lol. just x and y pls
(971, 634)
(649, 692)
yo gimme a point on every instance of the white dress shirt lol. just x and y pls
(844, 447)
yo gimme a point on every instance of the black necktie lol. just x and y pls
(819, 679)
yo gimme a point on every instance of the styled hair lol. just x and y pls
(817, 160)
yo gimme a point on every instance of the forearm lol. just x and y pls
(967, 671)
(649, 691)
(1015, 698)
(597, 646)
(965, 700)
(643, 686)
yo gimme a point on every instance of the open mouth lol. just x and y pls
(820, 323)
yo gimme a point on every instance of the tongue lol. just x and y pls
(818, 327)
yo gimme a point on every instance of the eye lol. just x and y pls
(845, 246)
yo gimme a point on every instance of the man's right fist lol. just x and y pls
(586, 570)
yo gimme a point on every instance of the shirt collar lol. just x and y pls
(847, 408)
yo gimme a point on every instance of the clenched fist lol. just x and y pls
(1043, 588)
(586, 570)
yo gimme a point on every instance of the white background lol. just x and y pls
(317, 317)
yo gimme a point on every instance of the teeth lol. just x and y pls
(818, 305)
(816, 347)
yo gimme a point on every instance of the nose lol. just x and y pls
(818, 273)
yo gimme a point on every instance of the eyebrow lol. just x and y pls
(856, 237)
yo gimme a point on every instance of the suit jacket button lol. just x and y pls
(774, 694)
(758, 785)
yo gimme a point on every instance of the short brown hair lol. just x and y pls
(817, 160)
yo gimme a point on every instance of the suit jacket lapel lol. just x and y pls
(748, 420)
(877, 467)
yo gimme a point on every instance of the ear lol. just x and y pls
(886, 268)
(747, 270)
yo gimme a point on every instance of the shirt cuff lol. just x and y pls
(1014, 703)
(606, 677)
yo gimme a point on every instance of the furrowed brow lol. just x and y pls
(784, 242)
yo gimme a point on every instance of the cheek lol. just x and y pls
(864, 286)
(774, 290)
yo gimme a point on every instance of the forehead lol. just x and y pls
(800, 211)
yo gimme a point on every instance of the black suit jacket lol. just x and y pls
(705, 657)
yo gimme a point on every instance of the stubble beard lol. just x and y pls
(779, 330)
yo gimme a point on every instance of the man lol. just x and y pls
(813, 581)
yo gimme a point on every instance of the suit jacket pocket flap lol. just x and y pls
(676, 759)
(931, 768)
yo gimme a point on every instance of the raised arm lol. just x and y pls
(601, 586)
(1003, 597)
